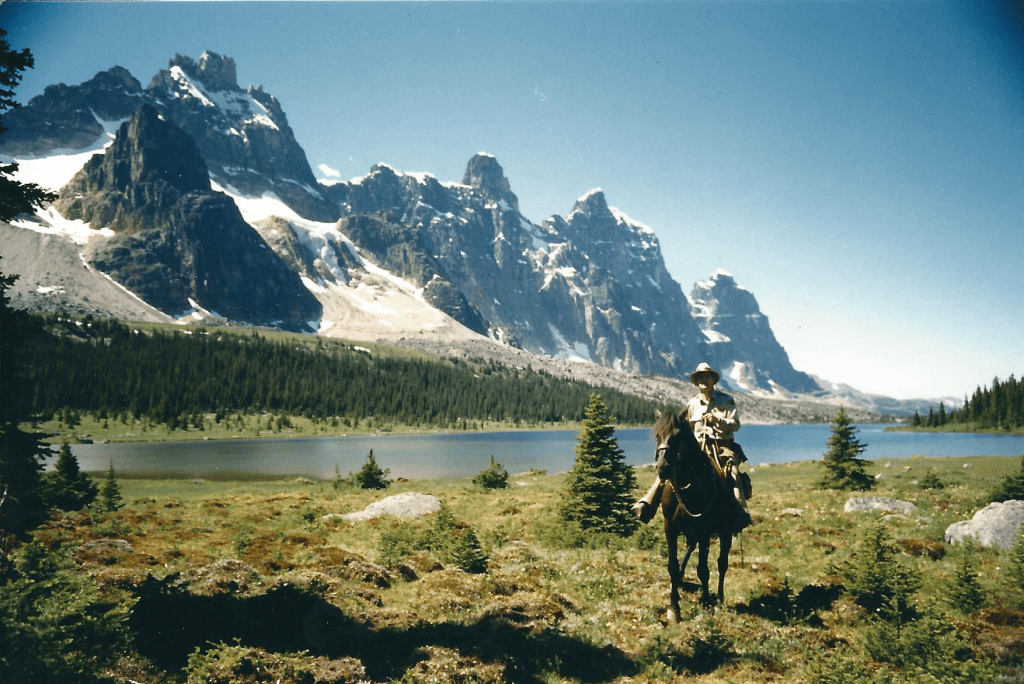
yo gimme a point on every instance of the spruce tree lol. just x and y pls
(844, 469)
(110, 494)
(67, 487)
(371, 476)
(1015, 571)
(598, 490)
(21, 453)
(964, 591)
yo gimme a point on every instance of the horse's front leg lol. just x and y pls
(674, 573)
(724, 546)
(703, 572)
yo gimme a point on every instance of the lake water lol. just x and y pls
(464, 455)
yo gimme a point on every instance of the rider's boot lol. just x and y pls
(743, 519)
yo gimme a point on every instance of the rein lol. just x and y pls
(675, 490)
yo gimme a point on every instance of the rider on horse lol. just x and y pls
(713, 417)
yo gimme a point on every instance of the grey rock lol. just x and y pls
(883, 504)
(994, 525)
(405, 505)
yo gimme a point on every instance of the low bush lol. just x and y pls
(54, 625)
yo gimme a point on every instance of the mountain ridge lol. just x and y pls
(381, 252)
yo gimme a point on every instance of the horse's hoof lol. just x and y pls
(673, 617)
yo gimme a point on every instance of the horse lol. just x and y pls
(695, 503)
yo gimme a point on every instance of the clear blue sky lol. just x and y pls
(858, 166)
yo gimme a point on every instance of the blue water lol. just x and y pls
(464, 455)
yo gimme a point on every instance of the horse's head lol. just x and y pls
(674, 441)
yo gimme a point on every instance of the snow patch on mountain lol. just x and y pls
(50, 222)
(58, 167)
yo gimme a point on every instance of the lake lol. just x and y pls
(466, 454)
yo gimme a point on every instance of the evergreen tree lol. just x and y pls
(844, 469)
(1015, 571)
(1011, 487)
(598, 490)
(371, 476)
(965, 592)
(493, 476)
(879, 576)
(15, 198)
(110, 493)
(67, 487)
(21, 453)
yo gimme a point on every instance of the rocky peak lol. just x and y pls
(156, 149)
(721, 293)
(70, 117)
(743, 345)
(484, 172)
(215, 71)
(593, 205)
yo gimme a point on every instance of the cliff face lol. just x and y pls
(742, 343)
(177, 244)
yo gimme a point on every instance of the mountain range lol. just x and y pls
(190, 199)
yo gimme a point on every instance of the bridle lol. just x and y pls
(662, 452)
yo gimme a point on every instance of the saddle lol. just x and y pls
(726, 457)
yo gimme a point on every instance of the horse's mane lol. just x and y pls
(667, 423)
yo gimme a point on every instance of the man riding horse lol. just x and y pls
(714, 419)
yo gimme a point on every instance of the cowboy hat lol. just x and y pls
(704, 369)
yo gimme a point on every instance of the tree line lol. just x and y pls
(108, 368)
(999, 407)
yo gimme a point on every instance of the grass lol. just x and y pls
(314, 599)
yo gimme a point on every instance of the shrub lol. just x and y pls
(1011, 487)
(930, 481)
(54, 626)
(493, 476)
(1015, 571)
(450, 541)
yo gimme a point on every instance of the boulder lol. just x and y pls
(406, 505)
(994, 525)
(883, 504)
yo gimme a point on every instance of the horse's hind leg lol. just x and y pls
(690, 546)
(724, 546)
(703, 572)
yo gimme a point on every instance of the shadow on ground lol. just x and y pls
(169, 623)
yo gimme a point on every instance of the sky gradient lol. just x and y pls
(858, 166)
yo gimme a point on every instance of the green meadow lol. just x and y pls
(250, 582)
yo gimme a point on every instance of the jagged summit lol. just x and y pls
(215, 71)
(484, 172)
(146, 150)
(592, 204)
(67, 117)
(741, 340)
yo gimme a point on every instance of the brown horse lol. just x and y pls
(695, 503)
